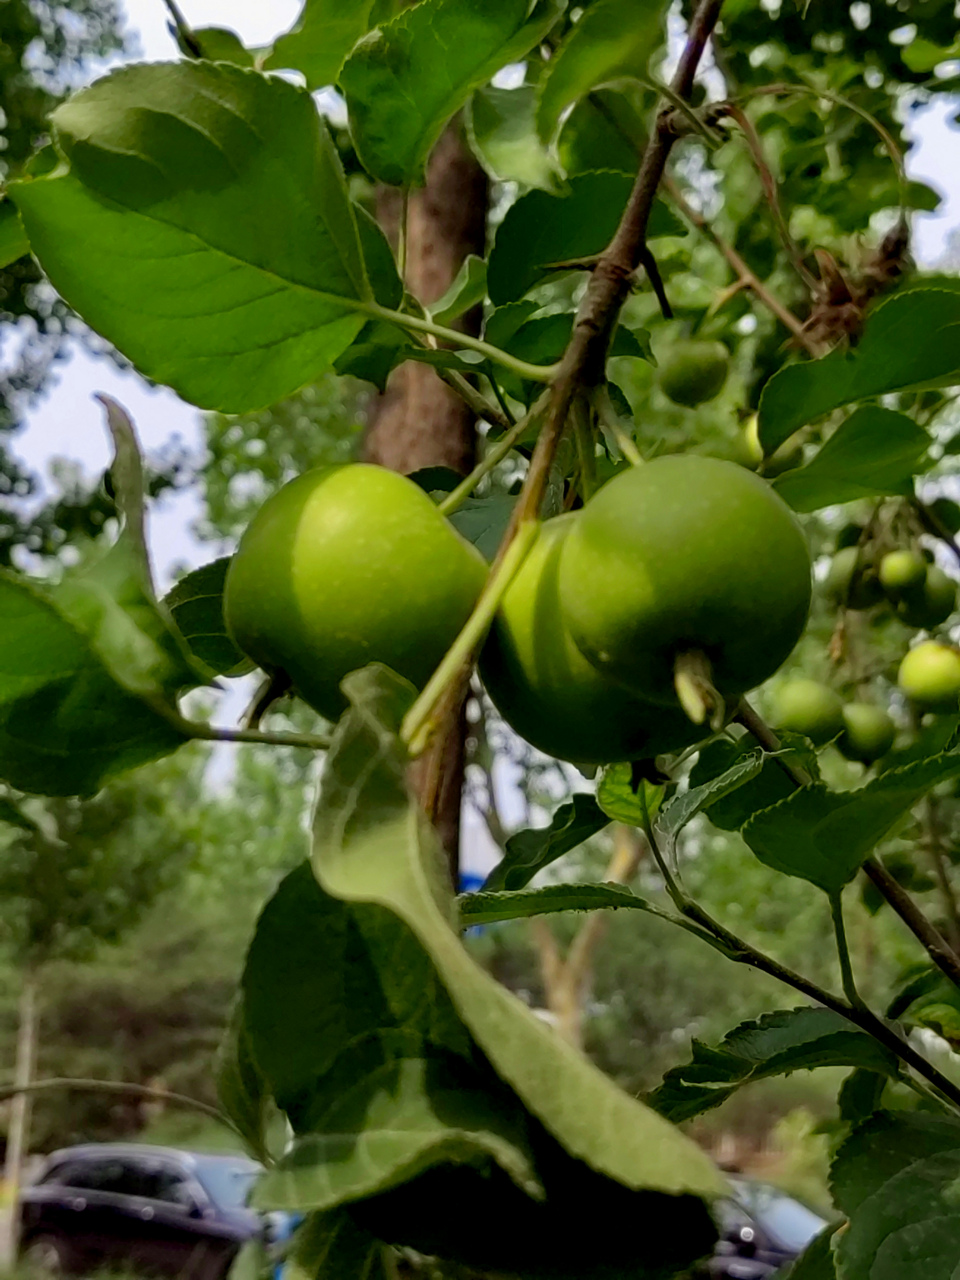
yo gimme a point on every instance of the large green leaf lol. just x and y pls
(606, 130)
(529, 851)
(503, 134)
(467, 290)
(775, 1045)
(372, 846)
(241, 1088)
(876, 451)
(13, 239)
(816, 1262)
(613, 39)
(66, 725)
(542, 229)
(387, 1119)
(912, 340)
(196, 606)
(824, 836)
(404, 81)
(684, 808)
(732, 809)
(330, 1246)
(896, 1179)
(323, 36)
(304, 1007)
(626, 797)
(203, 226)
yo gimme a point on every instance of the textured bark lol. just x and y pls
(419, 422)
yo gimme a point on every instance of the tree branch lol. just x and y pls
(84, 1085)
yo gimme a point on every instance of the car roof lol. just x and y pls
(146, 1150)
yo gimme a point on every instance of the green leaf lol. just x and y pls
(626, 798)
(371, 845)
(196, 606)
(684, 808)
(321, 39)
(468, 290)
(888, 358)
(391, 1119)
(485, 907)
(876, 451)
(13, 239)
(530, 851)
(860, 1095)
(824, 836)
(502, 130)
(540, 229)
(896, 1178)
(204, 228)
(816, 1261)
(330, 1246)
(483, 521)
(376, 352)
(66, 725)
(241, 1088)
(774, 1045)
(730, 811)
(380, 263)
(605, 130)
(924, 55)
(404, 81)
(305, 1007)
(220, 44)
(612, 40)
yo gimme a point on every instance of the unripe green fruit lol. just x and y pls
(345, 566)
(932, 603)
(694, 372)
(810, 708)
(868, 732)
(901, 571)
(930, 676)
(851, 582)
(679, 555)
(545, 688)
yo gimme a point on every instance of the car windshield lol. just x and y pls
(227, 1181)
(790, 1223)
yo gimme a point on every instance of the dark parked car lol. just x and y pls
(149, 1209)
(761, 1231)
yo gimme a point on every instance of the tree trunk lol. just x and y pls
(419, 421)
(19, 1128)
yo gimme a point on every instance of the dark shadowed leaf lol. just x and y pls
(542, 229)
(816, 1261)
(196, 606)
(13, 239)
(330, 1246)
(530, 851)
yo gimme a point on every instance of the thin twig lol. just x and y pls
(211, 733)
(843, 951)
(494, 455)
(84, 1085)
(745, 275)
(186, 36)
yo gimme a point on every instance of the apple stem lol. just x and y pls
(418, 724)
(490, 459)
(693, 681)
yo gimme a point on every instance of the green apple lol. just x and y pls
(693, 372)
(930, 676)
(931, 603)
(545, 688)
(685, 554)
(868, 732)
(344, 566)
(810, 708)
(901, 571)
(851, 580)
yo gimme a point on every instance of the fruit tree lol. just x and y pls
(713, 567)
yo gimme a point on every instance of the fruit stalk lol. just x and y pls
(419, 722)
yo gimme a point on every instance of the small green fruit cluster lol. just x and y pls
(920, 594)
(862, 731)
(681, 555)
(930, 676)
(345, 566)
